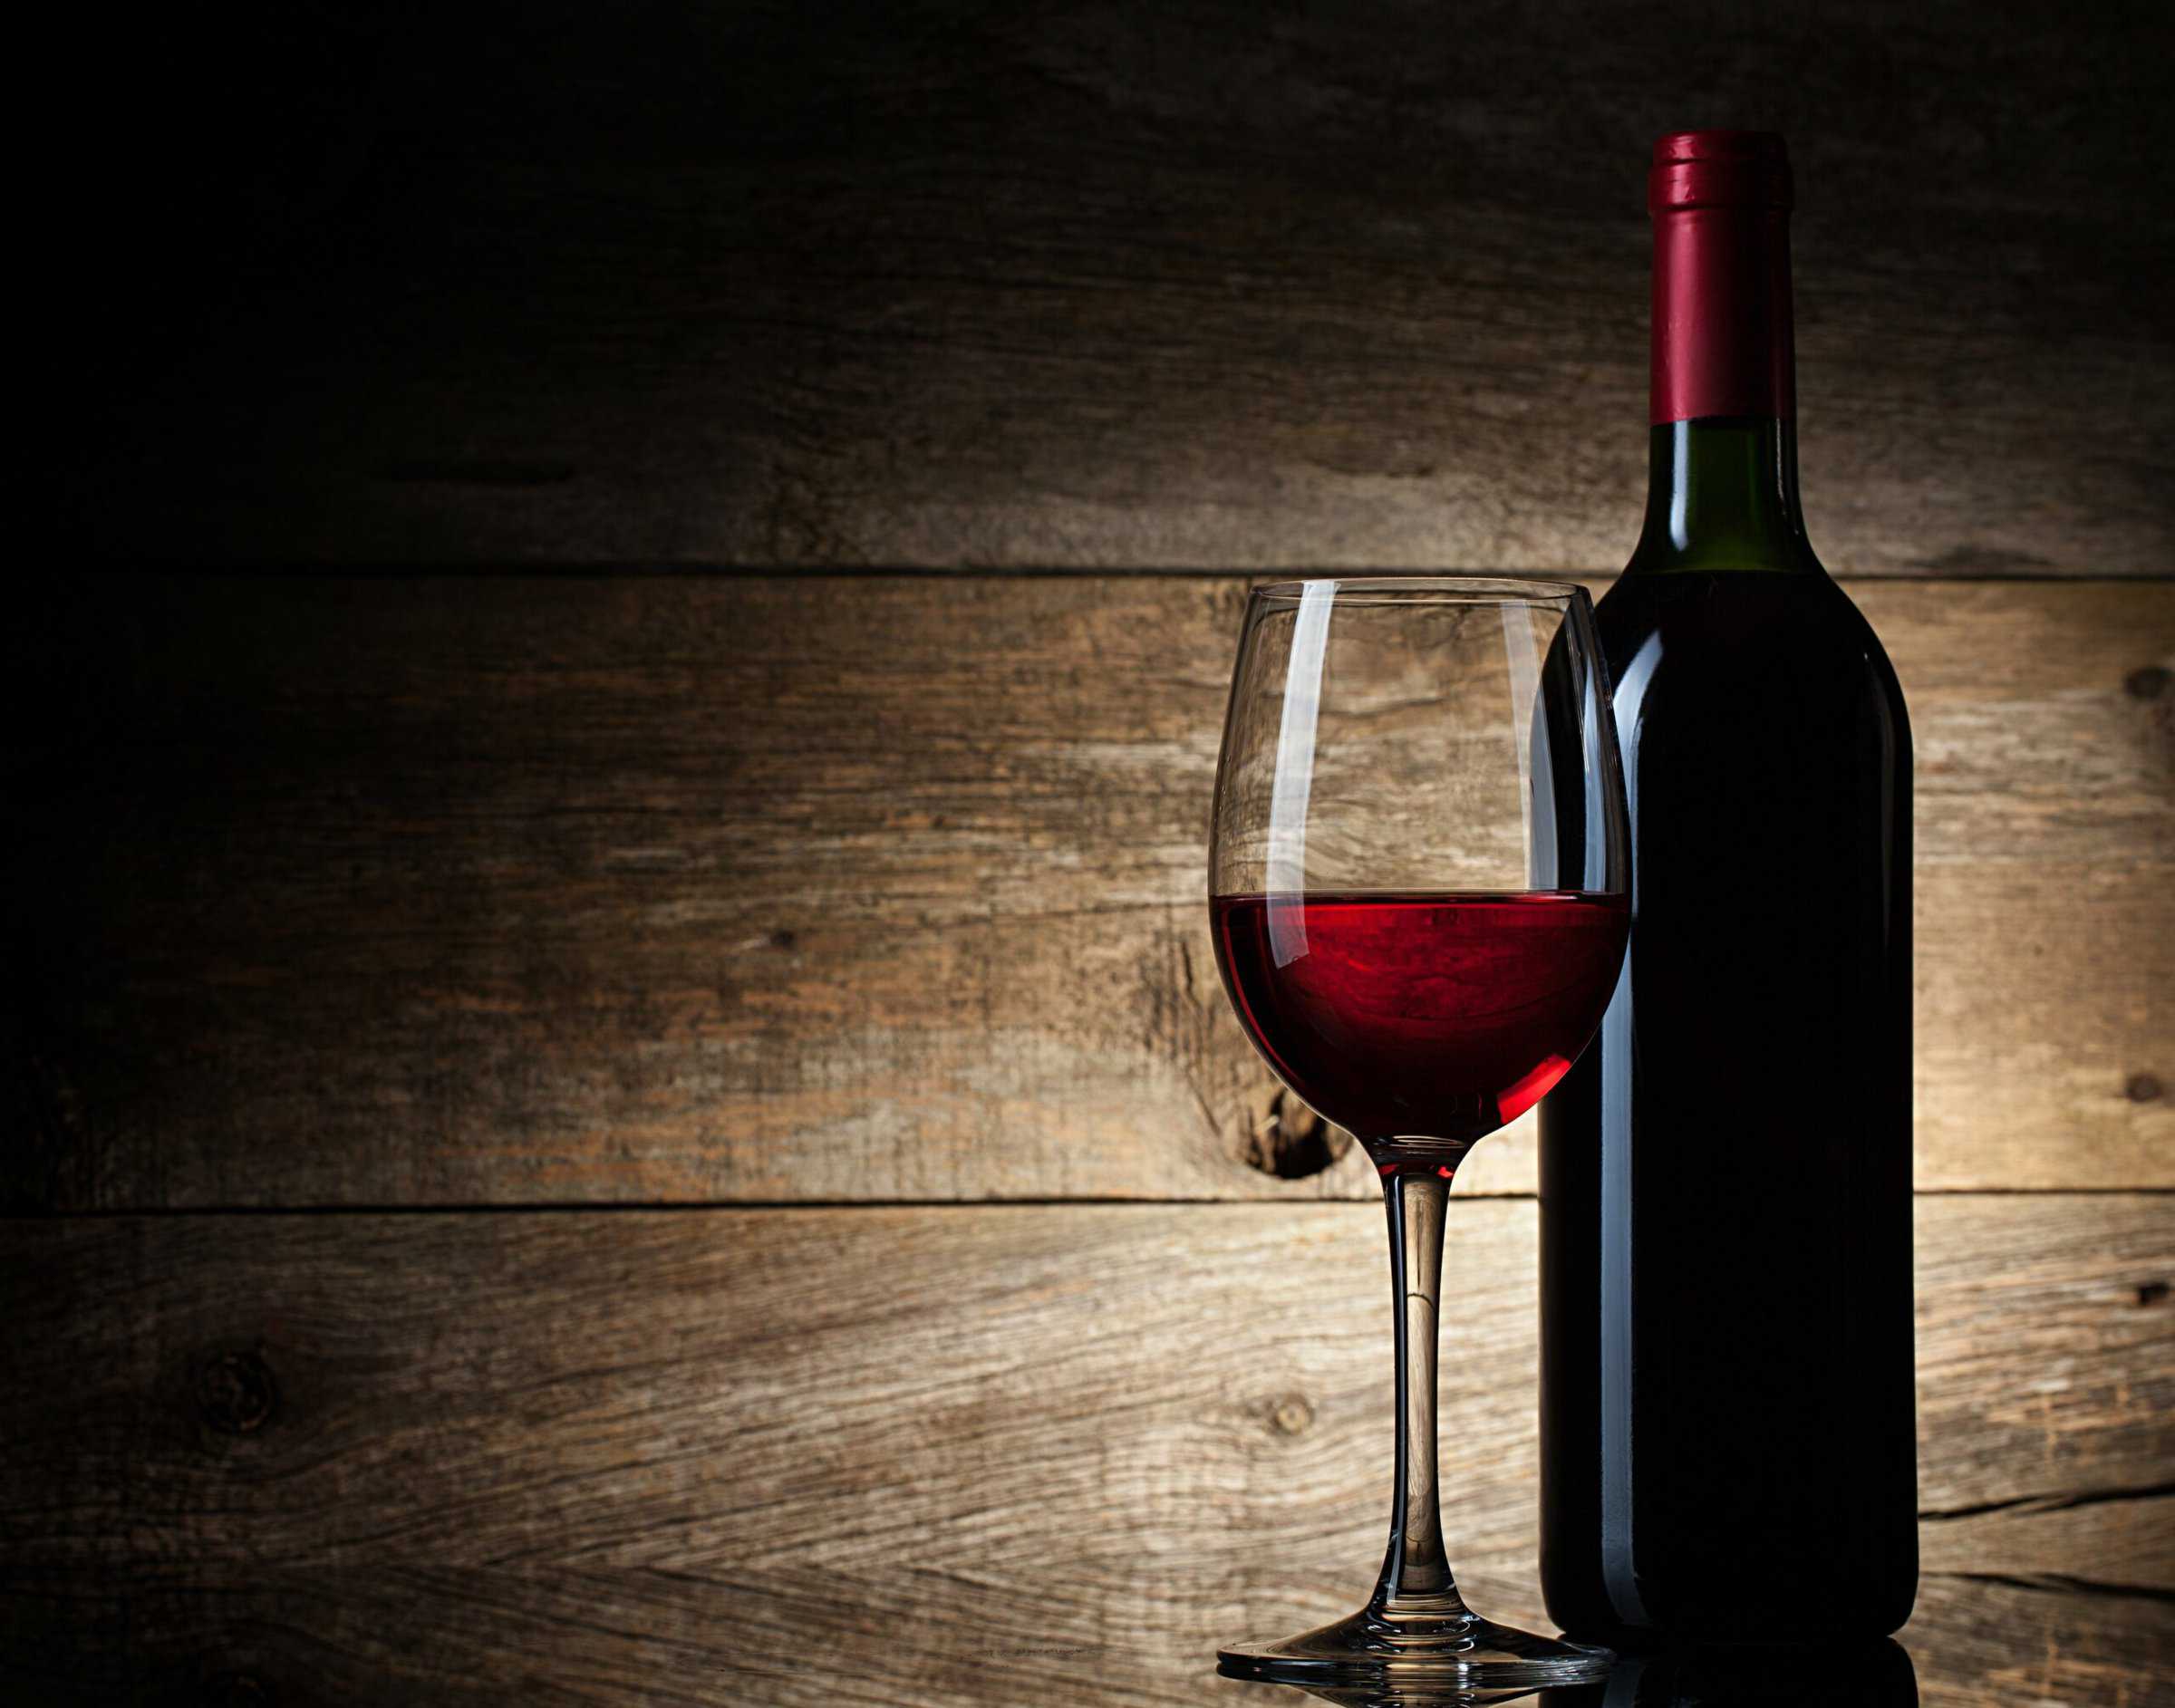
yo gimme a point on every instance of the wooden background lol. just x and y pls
(613, 1088)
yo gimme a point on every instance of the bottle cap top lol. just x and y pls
(1718, 169)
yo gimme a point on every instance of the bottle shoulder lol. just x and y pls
(1744, 635)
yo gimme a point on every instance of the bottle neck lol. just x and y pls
(1721, 495)
(1721, 482)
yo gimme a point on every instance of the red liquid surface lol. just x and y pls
(1435, 1016)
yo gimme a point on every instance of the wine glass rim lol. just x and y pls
(1422, 589)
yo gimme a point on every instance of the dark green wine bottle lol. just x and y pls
(1726, 1418)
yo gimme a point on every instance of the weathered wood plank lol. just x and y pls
(411, 1632)
(1075, 1396)
(1988, 1644)
(1094, 285)
(2133, 1545)
(669, 890)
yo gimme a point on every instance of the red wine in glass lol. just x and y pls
(1443, 1015)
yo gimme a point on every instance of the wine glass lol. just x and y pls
(1418, 874)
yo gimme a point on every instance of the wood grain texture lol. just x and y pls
(527, 892)
(409, 1632)
(672, 889)
(1086, 1398)
(1091, 285)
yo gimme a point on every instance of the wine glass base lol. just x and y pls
(1464, 1652)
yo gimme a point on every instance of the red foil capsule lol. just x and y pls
(1722, 337)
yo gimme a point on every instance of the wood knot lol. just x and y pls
(783, 939)
(2148, 683)
(1291, 1415)
(2142, 1089)
(1291, 1142)
(235, 1393)
(2150, 1293)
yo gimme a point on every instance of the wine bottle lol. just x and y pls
(1727, 1428)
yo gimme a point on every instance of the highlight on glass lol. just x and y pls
(1420, 889)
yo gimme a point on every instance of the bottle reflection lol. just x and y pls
(1862, 1675)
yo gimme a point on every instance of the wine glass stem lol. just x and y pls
(1416, 1575)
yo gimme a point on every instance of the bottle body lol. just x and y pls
(1727, 1428)
(1727, 1442)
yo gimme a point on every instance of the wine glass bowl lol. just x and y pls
(1418, 865)
(1420, 894)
